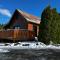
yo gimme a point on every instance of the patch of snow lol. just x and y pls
(3, 51)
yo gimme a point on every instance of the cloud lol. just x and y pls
(5, 12)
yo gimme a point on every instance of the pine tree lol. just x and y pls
(49, 26)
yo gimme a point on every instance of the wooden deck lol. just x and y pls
(16, 34)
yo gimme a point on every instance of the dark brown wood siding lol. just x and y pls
(17, 20)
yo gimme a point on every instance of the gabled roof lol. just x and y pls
(29, 17)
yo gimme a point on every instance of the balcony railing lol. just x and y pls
(16, 34)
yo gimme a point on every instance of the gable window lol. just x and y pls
(16, 26)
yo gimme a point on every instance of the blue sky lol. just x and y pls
(34, 7)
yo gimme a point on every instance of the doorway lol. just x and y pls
(35, 31)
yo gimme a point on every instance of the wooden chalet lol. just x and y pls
(23, 22)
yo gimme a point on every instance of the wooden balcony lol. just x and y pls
(16, 34)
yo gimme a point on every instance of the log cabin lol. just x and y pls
(21, 22)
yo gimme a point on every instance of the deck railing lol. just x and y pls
(16, 34)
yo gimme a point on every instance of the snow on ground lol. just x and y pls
(6, 47)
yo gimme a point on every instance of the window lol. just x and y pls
(16, 26)
(30, 27)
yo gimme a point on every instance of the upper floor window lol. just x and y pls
(30, 26)
(16, 26)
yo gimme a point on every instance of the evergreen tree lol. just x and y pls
(49, 26)
(1, 26)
